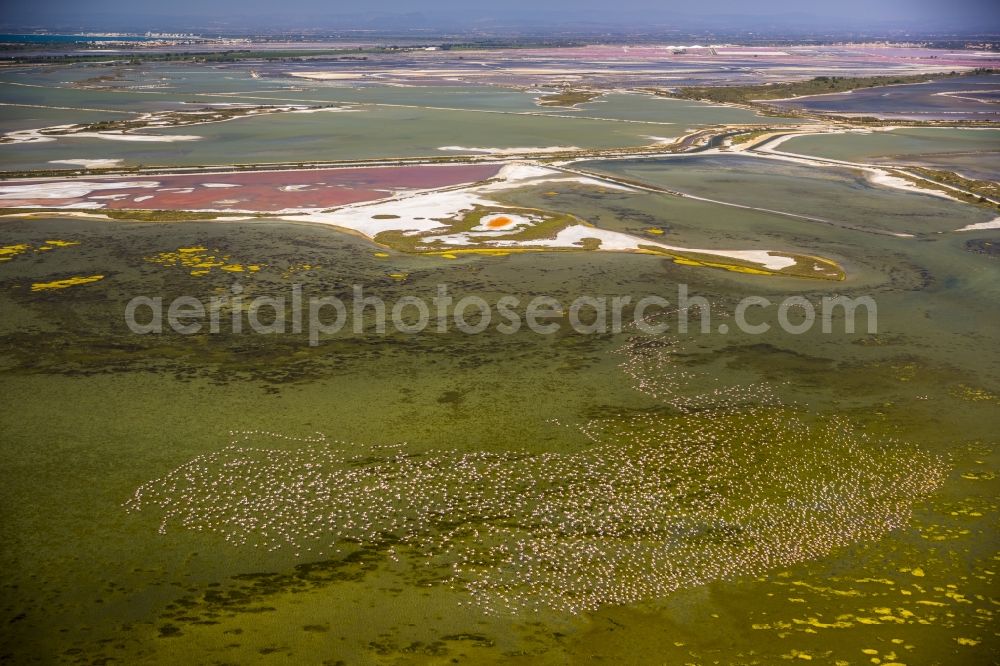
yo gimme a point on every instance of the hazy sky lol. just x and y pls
(334, 14)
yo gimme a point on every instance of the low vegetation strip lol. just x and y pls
(819, 85)
(977, 192)
(568, 97)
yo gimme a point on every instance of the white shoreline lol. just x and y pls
(992, 224)
(90, 163)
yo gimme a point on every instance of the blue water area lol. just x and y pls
(66, 39)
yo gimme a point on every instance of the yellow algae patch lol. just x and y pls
(687, 261)
(967, 641)
(979, 476)
(382, 255)
(448, 255)
(974, 394)
(798, 654)
(827, 590)
(288, 272)
(889, 617)
(905, 372)
(917, 572)
(68, 282)
(200, 261)
(8, 252)
(884, 581)
(942, 533)
(398, 276)
(654, 231)
(814, 622)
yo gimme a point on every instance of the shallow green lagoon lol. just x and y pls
(837, 196)
(972, 152)
(25, 118)
(156, 79)
(108, 411)
(680, 112)
(513, 499)
(361, 134)
(22, 92)
(414, 121)
(483, 98)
